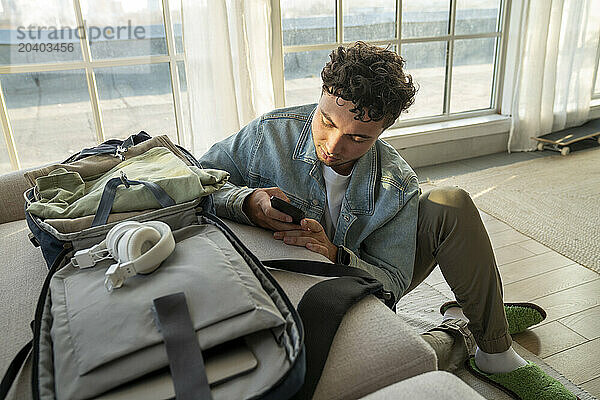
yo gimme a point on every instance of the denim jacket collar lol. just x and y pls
(305, 148)
(360, 195)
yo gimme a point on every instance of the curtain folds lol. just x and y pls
(553, 44)
(228, 52)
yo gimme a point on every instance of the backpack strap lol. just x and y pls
(322, 317)
(185, 356)
(110, 190)
(320, 268)
(13, 369)
(323, 307)
(112, 146)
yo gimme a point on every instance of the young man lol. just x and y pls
(363, 208)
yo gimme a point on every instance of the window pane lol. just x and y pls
(307, 21)
(472, 74)
(50, 115)
(136, 98)
(185, 103)
(426, 62)
(177, 24)
(377, 21)
(302, 72)
(124, 28)
(25, 26)
(421, 19)
(476, 16)
(4, 160)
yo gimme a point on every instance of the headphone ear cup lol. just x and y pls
(116, 233)
(160, 251)
(135, 242)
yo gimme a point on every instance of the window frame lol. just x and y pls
(499, 58)
(596, 95)
(89, 65)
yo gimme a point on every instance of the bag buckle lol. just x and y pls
(120, 152)
(33, 240)
(123, 178)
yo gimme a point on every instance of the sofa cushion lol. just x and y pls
(12, 186)
(431, 385)
(23, 271)
(261, 242)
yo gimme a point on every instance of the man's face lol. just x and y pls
(340, 139)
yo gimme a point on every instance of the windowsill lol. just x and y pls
(438, 132)
(419, 135)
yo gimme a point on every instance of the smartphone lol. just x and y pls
(287, 208)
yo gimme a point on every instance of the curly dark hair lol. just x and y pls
(372, 79)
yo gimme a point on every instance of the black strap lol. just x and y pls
(109, 147)
(320, 268)
(14, 368)
(36, 324)
(185, 356)
(323, 307)
(130, 141)
(110, 190)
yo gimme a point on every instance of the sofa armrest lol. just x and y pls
(12, 186)
(432, 385)
(373, 348)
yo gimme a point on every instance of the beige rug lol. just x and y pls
(554, 200)
(420, 309)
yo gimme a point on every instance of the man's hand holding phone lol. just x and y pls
(257, 206)
(269, 208)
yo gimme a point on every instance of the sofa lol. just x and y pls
(374, 355)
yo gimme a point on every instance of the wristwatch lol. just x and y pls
(343, 256)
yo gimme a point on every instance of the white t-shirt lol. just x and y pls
(336, 186)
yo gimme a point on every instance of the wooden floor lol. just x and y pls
(569, 338)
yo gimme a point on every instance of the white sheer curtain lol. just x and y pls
(228, 52)
(548, 87)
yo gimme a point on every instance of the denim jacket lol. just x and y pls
(378, 219)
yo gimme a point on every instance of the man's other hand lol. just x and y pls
(312, 236)
(257, 206)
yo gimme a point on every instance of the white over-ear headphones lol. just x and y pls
(138, 247)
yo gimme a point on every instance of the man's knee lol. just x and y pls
(451, 197)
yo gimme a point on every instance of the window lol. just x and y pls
(76, 73)
(452, 49)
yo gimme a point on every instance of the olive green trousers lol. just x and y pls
(450, 234)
